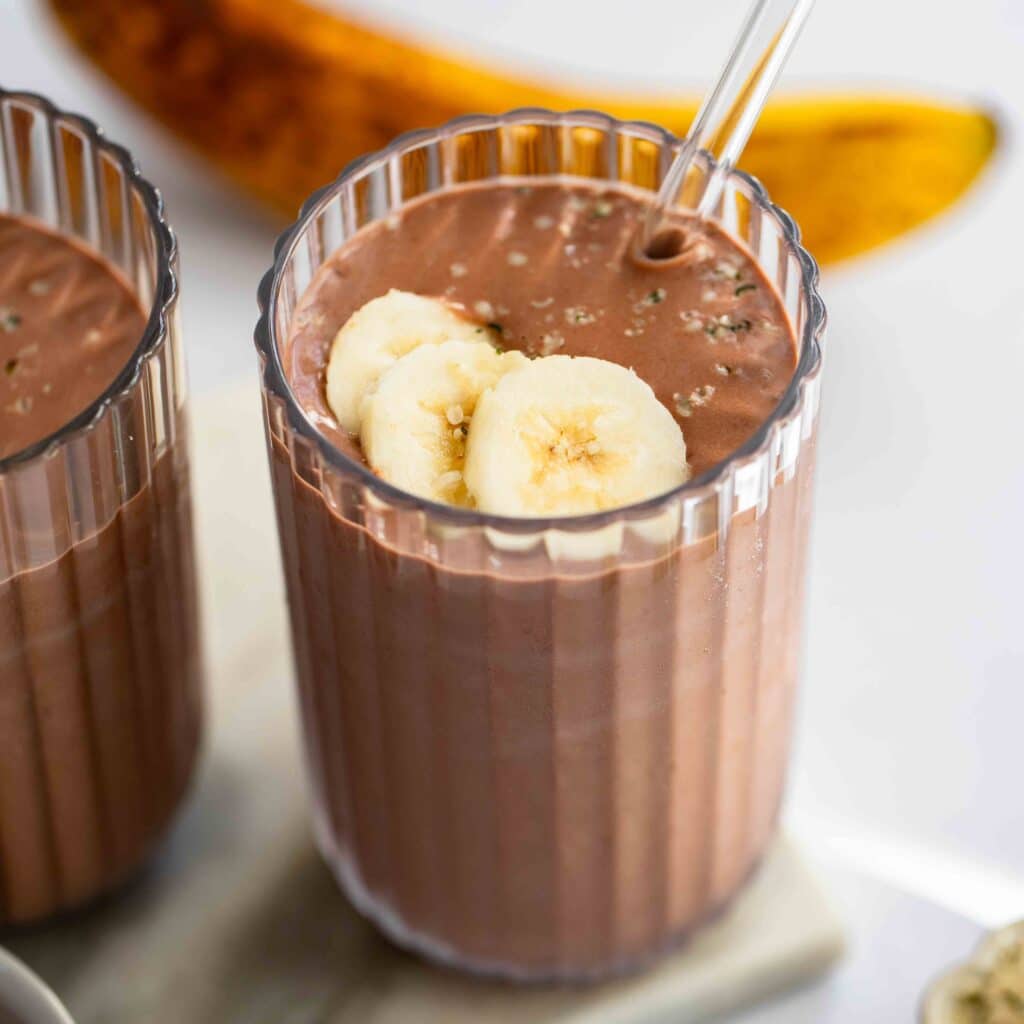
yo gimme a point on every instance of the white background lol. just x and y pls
(910, 753)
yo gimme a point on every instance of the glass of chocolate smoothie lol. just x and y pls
(99, 655)
(546, 611)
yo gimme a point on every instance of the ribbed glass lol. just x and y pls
(99, 652)
(542, 748)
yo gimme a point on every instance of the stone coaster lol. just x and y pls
(239, 922)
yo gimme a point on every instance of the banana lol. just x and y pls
(252, 83)
(416, 421)
(377, 335)
(567, 435)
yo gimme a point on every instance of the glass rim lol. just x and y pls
(165, 289)
(275, 381)
(17, 980)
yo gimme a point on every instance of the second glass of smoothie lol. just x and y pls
(548, 746)
(99, 647)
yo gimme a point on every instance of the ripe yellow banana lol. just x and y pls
(280, 95)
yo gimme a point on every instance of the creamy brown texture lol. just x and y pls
(554, 266)
(99, 656)
(68, 326)
(99, 702)
(534, 767)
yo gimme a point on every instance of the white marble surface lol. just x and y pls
(898, 944)
(908, 751)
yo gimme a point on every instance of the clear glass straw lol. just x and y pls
(729, 112)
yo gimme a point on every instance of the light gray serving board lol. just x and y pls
(238, 921)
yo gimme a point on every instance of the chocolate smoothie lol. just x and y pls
(552, 268)
(524, 763)
(68, 325)
(99, 710)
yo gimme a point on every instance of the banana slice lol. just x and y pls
(568, 435)
(379, 333)
(415, 423)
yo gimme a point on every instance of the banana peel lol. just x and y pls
(280, 95)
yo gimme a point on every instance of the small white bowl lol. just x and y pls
(24, 997)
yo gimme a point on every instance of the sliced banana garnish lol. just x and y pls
(378, 334)
(416, 422)
(566, 435)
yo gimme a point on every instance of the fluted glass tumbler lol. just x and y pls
(542, 748)
(99, 647)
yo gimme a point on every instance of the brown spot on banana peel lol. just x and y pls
(280, 95)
